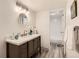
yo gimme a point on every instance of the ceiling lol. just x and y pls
(40, 5)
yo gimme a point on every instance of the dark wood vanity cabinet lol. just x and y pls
(14, 51)
(34, 46)
(30, 48)
(26, 50)
(37, 47)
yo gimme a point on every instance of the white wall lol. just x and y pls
(42, 24)
(32, 18)
(70, 23)
(9, 22)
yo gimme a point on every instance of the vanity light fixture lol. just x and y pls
(20, 4)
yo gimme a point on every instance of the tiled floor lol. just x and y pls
(55, 53)
(44, 53)
(52, 53)
(72, 54)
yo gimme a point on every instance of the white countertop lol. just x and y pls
(22, 40)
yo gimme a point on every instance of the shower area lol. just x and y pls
(57, 28)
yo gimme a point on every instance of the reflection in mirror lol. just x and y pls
(22, 19)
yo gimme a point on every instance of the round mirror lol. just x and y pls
(23, 18)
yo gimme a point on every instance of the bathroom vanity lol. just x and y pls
(24, 47)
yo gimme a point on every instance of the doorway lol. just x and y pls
(57, 28)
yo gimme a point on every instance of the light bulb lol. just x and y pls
(17, 9)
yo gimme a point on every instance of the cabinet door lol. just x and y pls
(30, 48)
(23, 51)
(39, 44)
(35, 45)
(12, 51)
